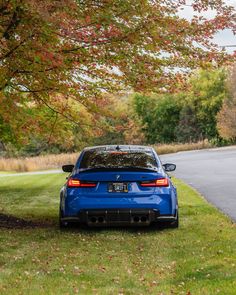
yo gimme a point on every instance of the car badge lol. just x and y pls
(117, 177)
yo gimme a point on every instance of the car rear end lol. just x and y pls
(116, 186)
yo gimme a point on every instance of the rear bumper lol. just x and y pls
(164, 203)
(101, 217)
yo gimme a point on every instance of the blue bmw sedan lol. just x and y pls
(118, 185)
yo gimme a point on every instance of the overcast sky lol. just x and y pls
(225, 37)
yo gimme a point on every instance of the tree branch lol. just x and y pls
(14, 22)
(15, 48)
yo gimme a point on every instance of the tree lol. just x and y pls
(123, 126)
(201, 104)
(226, 119)
(185, 116)
(60, 54)
(208, 90)
(160, 117)
(188, 128)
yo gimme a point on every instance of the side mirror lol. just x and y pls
(169, 167)
(68, 168)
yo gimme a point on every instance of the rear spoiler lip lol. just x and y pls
(136, 169)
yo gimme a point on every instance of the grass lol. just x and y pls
(7, 172)
(198, 258)
(44, 162)
(179, 147)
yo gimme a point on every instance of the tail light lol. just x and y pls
(78, 183)
(161, 182)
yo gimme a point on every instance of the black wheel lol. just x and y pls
(62, 224)
(170, 224)
(175, 224)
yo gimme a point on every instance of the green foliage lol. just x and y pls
(188, 127)
(201, 104)
(207, 95)
(6, 132)
(166, 117)
(186, 116)
(160, 116)
(226, 119)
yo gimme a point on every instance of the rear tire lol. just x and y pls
(62, 224)
(175, 224)
(170, 224)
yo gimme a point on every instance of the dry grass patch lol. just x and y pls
(179, 147)
(37, 163)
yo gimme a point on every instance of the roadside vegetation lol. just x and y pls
(203, 115)
(55, 161)
(44, 162)
(37, 258)
(187, 116)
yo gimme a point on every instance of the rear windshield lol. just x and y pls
(116, 159)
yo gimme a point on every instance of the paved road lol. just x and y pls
(32, 173)
(212, 172)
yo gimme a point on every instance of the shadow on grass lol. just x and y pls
(13, 222)
(90, 230)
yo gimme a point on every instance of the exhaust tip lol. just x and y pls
(93, 219)
(143, 219)
(136, 218)
(100, 219)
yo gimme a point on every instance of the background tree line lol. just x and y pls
(185, 116)
(206, 110)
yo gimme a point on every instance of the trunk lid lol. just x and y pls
(117, 176)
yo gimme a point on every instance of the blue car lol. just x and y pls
(118, 185)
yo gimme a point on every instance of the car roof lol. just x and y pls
(121, 147)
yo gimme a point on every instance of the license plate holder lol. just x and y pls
(118, 187)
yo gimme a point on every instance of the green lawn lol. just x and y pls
(7, 172)
(197, 258)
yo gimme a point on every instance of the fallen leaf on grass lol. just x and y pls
(102, 269)
(154, 283)
(77, 270)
